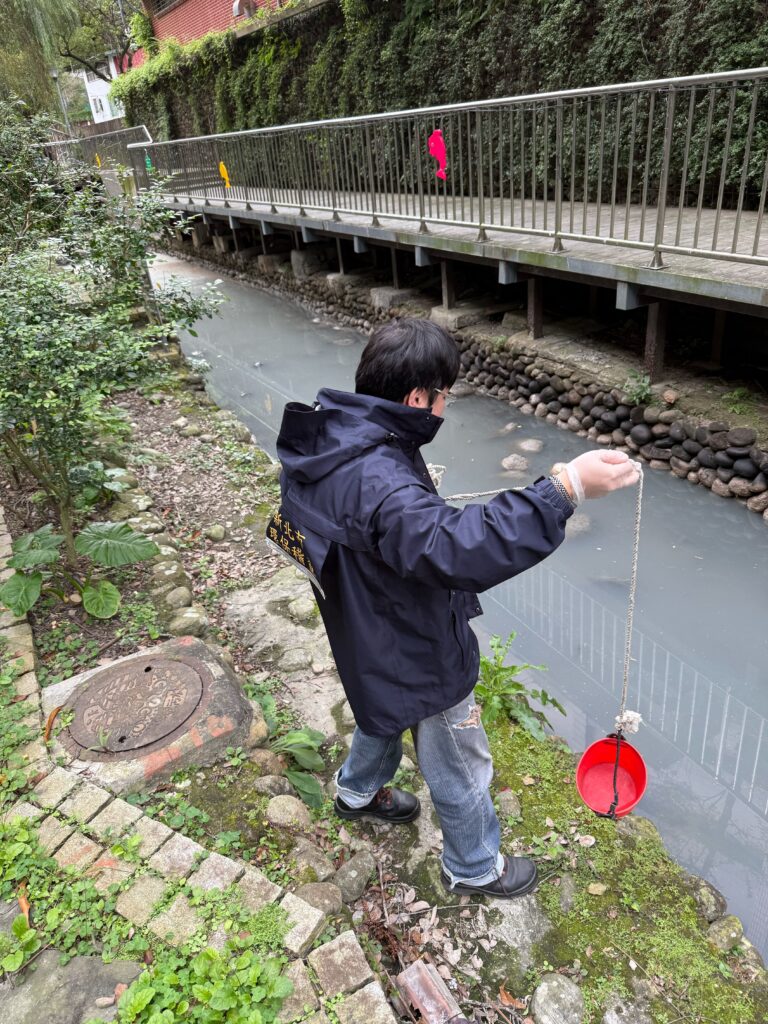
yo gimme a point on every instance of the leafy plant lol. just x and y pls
(213, 988)
(19, 946)
(302, 746)
(92, 483)
(501, 695)
(637, 387)
(741, 401)
(40, 569)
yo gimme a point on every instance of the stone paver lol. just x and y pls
(137, 903)
(318, 1018)
(23, 809)
(109, 869)
(114, 819)
(306, 924)
(85, 803)
(340, 965)
(54, 788)
(256, 890)
(153, 834)
(302, 999)
(77, 852)
(53, 833)
(178, 923)
(176, 858)
(26, 684)
(35, 752)
(369, 1005)
(216, 872)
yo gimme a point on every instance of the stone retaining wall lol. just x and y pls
(502, 361)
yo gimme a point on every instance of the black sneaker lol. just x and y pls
(518, 878)
(389, 804)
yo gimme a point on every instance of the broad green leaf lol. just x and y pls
(20, 592)
(307, 786)
(114, 544)
(13, 961)
(42, 538)
(101, 600)
(308, 758)
(20, 926)
(281, 988)
(35, 556)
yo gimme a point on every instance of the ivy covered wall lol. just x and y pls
(365, 56)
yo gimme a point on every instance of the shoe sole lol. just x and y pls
(352, 815)
(463, 890)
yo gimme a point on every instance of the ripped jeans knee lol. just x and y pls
(472, 721)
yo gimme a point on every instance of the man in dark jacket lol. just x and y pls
(395, 571)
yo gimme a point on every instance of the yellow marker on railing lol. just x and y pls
(224, 174)
(98, 160)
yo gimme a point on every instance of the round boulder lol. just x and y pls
(742, 436)
(352, 877)
(726, 932)
(557, 1000)
(515, 463)
(288, 812)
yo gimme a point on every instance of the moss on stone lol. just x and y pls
(646, 914)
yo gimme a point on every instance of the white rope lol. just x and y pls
(626, 721)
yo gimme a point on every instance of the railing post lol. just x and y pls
(371, 184)
(481, 235)
(657, 262)
(423, 229)
(332, 175)
(557, 243)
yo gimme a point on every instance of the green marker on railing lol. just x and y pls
(147, 161)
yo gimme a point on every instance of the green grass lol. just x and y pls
(646, 916)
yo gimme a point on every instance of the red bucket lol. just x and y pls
(594, 776)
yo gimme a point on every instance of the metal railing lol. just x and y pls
(700, 718)
(677, 165)
(109, 149)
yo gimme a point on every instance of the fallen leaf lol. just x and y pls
(549, 823)
(418, 907)
(409, 896)
(586, 840)
(444, 972)
(23, 902)
(528, 780)
(51, 720)
(120, 987)
(632, 965)
(588, 952)
(597, 888)
(507, 1000)
(149, 956)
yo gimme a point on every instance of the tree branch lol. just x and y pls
(64, 51)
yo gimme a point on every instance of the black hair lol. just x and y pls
(407, 354)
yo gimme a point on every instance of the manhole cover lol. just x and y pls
(131, 706)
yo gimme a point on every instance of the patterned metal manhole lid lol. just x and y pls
(130, 706)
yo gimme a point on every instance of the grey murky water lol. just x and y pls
(700, 642)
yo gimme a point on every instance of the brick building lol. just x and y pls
(185, 20)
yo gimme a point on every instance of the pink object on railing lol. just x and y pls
(436, 145)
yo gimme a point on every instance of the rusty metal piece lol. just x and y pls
(136, 707)
(423, 990)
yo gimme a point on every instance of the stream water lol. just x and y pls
(700, 643)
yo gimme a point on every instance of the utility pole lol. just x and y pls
(54, 73)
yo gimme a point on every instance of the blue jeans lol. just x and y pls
(453, 754)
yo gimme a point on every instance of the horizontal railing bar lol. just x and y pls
(684, 82)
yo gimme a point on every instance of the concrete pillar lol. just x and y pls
(655, 339)
(340, 255)
(536, 307)
(448, 283)
(718, 332)
(395, 268)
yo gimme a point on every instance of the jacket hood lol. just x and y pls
(314, 441)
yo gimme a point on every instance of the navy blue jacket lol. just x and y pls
(395, 569)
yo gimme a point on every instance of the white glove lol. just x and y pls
(596, 473)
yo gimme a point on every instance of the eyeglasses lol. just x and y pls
(444, 393)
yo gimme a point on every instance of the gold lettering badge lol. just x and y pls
(289, 541)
